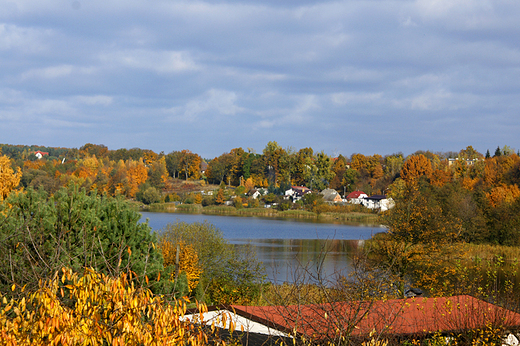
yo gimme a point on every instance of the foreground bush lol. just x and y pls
(95, 309)
(225, 274)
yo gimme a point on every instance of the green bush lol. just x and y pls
(40, 234)
(229, 275)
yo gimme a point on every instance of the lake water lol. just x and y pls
(290, 249)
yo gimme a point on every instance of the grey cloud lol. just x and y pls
(148, 74)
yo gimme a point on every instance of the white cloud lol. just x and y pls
(56, 72)
(346, 98)
(213, 103)
(299, 112)
(24, 39)
(102, 100)
(158, 61)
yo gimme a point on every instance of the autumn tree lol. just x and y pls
(224, 268)
(219, 198)
(503, 194)
(393, 164)
(469, 153)
(420, 232)
(183, 258)
(89, 149)
(415, 167)
(9, 180)
(339, 167)
(304, 162)
(158, 173)
(91, 308)
(235, 169)
(190, 165)
(136, 174)
(173, 163)
(272, 153)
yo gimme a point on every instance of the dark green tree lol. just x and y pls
(40, 234)
(498, 152)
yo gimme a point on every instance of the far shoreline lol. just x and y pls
(357, 218)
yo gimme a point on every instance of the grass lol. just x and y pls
(491, 252)
(344, 216)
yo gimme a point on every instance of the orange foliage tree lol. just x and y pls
(136, 174)
(503, 194)
(415, 167)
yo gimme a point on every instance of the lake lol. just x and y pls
(289, 248)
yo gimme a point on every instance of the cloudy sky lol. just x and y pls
(368, 76)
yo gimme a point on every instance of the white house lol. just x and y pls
(296, 193)
(378, 202)
(356, 197)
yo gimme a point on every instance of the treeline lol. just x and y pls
(124, 171)
(476, 193)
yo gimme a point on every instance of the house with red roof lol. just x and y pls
(395, 319)
(356, 197)
(39, 154)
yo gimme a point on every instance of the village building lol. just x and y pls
(356, 197)
(295, 193)
(331, 196)
(379, 202)
(39, 154)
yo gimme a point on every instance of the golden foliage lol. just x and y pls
(9, 180)
(188, 260)
(136, 173)
(503, 194)
(34, 164)
(440, 177)
(469, 184)
(249, 184)
(95, 309)
(415, 167)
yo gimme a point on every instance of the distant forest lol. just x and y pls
(478, 194)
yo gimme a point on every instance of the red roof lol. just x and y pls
(41, 152)
(412, 316)
(356, 194)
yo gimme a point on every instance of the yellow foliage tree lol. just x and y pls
(9, 180)
(136, 174)
(105, 311)
(503, 194)
(188, 260)
(249, 184)
(34, 164)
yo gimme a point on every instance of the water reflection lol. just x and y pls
(294, 260)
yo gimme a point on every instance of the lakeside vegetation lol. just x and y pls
(366, 218)
(455, 228)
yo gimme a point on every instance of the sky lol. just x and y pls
(343, 77)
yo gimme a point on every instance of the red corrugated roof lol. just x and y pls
(355, 194)
(412, 316)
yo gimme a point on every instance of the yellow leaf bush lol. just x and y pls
(188, 260)
(95, 309)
